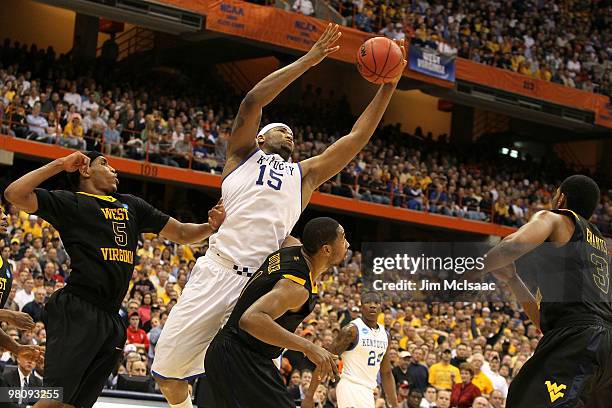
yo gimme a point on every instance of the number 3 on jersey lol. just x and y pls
(373, 359)
(602, 274)
(276, 178)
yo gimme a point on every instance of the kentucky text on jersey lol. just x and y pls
(275, 163)
(595, 241)
(365, 342)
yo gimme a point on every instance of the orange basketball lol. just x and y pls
(379, 60)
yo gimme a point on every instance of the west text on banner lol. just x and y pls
(431, 62)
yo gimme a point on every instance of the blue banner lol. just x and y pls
(432, 63)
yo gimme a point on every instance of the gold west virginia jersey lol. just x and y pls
(100, 233)
(287, 263)
(6, 281)
(571, 280)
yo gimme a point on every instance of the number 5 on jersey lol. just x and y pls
(276, 178)
(121, 237)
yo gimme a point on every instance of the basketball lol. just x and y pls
(379, 60)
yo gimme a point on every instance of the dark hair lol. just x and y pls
(74, 178)
(582, 194)
(371, 293)
(318, 232)
(466, 367)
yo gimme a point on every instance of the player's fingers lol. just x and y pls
(333, 32)
(332, 50)
(334, 38)
(334, 367)
(325, 33)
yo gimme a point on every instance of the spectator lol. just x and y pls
(73, 134)
(21, 377)
(480, 402)
(304, 7)
(298, 393)
(480, 379)
(443, 375)
(492, 372)
(400, 371)
(443, 399)
(112, 139)
(38, 125)
(464, 393)
(36, 307)
(429, 399)
(418, 374)
(25, 295)
(73, 98)
(135, 335)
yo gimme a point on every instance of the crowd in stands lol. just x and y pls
(43, 99)
(448, 354)
(567, 42)
(451, 352)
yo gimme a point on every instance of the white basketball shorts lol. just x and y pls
(203, 308)
(352, 395)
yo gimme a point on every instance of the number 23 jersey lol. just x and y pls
(362, 362)
(263, 201)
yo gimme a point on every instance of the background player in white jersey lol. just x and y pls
(362, 345)
(263, 195)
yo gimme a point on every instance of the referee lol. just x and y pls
(100, 230)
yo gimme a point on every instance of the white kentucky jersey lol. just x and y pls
(362, 363)
(263, 201)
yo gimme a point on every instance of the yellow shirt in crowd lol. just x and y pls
(483, 383)
(440, 376)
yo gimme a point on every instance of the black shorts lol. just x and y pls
(571, 368)
(84, 344)
(242, 378)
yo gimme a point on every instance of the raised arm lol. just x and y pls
(318, 169)
(522, 293)
(527, 238)
(259, 322)
(246, 124)
(20, 192)
(187, 233)
(388, 382)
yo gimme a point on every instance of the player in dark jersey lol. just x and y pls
(19, 320)
(572, 365)
(274, 302)
(100, 230)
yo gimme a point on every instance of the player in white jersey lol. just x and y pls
(362, 344)
(264, 195)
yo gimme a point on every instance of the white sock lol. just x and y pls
(185, 404)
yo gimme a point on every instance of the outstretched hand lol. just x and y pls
(402, 45)
(324, 45)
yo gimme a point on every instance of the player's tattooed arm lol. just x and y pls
(317, 170)
(242, 141)
(346, 338)
(388, 381)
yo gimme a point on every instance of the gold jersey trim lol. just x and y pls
(100, 197)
